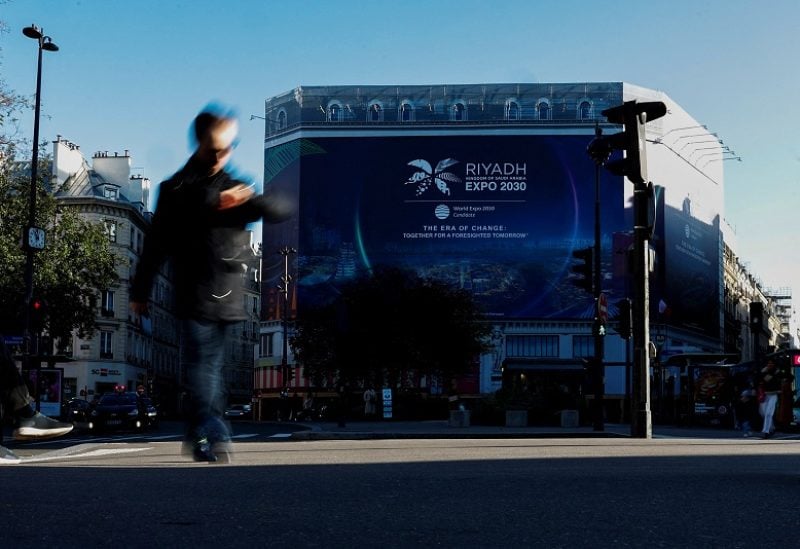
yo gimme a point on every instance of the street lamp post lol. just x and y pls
(44, 43)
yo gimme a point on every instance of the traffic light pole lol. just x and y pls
(599, 339)
(641, 420)
(632, 142)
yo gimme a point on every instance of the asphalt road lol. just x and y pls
(409, 493)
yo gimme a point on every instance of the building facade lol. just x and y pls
(489, 187)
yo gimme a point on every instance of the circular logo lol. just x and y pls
(442, 211)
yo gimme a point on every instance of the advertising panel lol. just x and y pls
(497, 215)
(45, 385)
(690, 291)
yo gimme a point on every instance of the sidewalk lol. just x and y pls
(362, 430)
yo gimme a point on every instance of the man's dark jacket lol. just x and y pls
(207, 245)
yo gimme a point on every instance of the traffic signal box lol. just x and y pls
(624, 328)
(38, 312)
(632, 141)
(584, 268)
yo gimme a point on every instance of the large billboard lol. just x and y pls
(687, 293)
(498, 215)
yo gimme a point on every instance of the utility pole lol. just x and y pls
(284, 288)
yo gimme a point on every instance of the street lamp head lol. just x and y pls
(32, 32)
(45, 42)
(48, 44)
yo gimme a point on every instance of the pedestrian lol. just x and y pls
(369, 403)
(747, 408)
(343, 404)
(199, 223)
(15, 399)
(307, 413)
(769, 389)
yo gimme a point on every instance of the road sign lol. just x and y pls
(12, 340)
(602, 308)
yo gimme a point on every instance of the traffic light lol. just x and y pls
(631, 141)
(624, 328)
(756, 316)
(584, 268)
(38, 312)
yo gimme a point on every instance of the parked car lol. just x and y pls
(239, 411)
(76, 410)
(125, 411)
(796, 412)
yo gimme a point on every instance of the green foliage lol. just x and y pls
(69, 274)
(384, 328)
(77, 263)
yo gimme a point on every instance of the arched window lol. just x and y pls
(512, 110)
(375, 113)
(458, 112)
(406, 112)
(334, 112)
(282, 120)
(543, 109)
(584, 110)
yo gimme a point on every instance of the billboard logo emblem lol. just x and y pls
(427, 175)
(442, 211)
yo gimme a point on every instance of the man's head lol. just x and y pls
(216, 138)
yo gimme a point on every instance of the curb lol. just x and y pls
(355, 435)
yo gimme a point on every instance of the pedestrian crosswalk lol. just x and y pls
(149, 437)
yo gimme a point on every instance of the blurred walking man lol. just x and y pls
(199, 223)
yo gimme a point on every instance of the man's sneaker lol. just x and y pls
(7, 457)
(202, 449)
(40, 427)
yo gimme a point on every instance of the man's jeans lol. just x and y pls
(203, 345)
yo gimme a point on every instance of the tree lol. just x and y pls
(70, 274)
(384, 328)
(77, 263)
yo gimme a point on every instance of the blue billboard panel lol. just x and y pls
(496, 215)
(690, 291)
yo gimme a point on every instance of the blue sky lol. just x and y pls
(132, 74)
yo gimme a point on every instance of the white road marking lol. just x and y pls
(52, 456)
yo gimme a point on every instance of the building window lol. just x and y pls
(585, 110)
(106, 350)
(406, 112)
(375, 113)
(512, 110)
(110, 192)
(282, 120)
(266, 346)
(334, 112)
(458, 112)
(543, 109)
(582, 346)
(111, 230)
(107, 305)
(532, 346)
